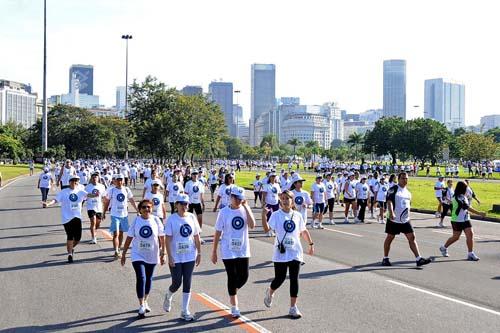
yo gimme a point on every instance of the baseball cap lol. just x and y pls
(119, 176)
(74, 178)
(182, 198)
(156, 182)
(194, 172)
(296, 177)
(238, 192)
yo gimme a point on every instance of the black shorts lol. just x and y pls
(64, 186)
(212, 188)
(330, 205)
(73, 229)
(195, 208)
(393, 228)
(92, 213)
(382, 204)
(460, 226)
(346, 200)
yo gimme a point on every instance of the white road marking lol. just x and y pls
(451, 233)
(228, 310)
(343, 232)
(11, 182)
(477, 307)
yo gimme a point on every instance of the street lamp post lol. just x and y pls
(44, 110)
(126, 37)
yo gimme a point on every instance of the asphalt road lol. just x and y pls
(343, 288)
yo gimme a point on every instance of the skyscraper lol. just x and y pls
(395, 88)
(445, 102)
(120, 98)
(222, 94)
(85, 76)
(263, 97)
(192, 90)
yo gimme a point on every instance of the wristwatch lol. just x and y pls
(311, 244)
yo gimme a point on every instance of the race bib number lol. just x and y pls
(74, 206)
(145, 246)
(120, 207)
(236, 244)
(289, 242)
(183, 248)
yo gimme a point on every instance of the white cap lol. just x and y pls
(182, 197)
(296, 177)
(239, 192)
(156, 182)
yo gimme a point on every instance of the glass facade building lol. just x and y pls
(263, 95)
(395, 88)
(85, 76)
(222, 94)
(445, 102)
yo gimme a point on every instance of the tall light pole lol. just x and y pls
(44, 110)
(126, 37)
(237, 92)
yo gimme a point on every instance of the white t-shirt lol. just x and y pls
(257, 185)
(288, 227)
(212, 179)
(182, 230)
(440, 185)
(145, 245)
(273, 191)
(133, 172)
(157, 199)
(350, 189)
(148, 184)
(147, 172)
(225, 194)
(401, 199)
(330, 187)
(71, 203)
(234, 226)
(66, 175)
(302, 200)
(95, 204)
(362, 190)
(119, 200)
(318, 191)
(195, 191)
(45, 180)
(174, 189)
(382, 191)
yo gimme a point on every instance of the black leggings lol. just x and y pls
(280, 269)
(144, 277)
(445, 210)
(181, 273)
(362, 208)
(257, 196)
(237, 273)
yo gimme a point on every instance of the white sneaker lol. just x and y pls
(356, 220)
(268, 299)
(472, 257)
(187, 316)
(93, 241)
(332, 222)
(346, 220)
(294, 312)
(142, 311)
(235, 312)
(440, 224)
(320, 226)
(438, 214)
(167, 303)
(146, 305)
(381, 221)
(444, 251)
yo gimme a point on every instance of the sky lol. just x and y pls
(324, 51)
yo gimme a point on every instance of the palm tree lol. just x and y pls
(294, 143)
(355, 139)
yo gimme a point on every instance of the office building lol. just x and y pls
(263, 94)
(75, 98)
(395, 88)
(445, 102)
(360, 127)
(222, 94)
(489, 122)
(371, 115)
(85, 76)
(17, 103)
(120, 98)
(192, 90)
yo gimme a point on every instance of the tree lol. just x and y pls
(383, 139)
(355, 140)
(424, 139)
(477, 147)
(10, 147)
(495, 132)
(270, 140)
(294, 143)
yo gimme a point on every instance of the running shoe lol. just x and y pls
(294, 312)
(187, 316)
(70, 258)
(167, 303)
(320, 226)
(423, 261)
(268, 299)
(346, 220)
(371, 216)
(381, 221)
(146, 306)
(142, 311)
(93, 241)
(440, 224)
(444, 251)
(332, 222)
(356, 220)
(472, 257)
(117, 255)
(235, 312)
(386, 262)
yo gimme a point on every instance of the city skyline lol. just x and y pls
(347, 70)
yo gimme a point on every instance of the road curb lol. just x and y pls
(475, 217)
(9, 181)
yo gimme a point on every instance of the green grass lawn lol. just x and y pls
(11, 171)
(422, 191)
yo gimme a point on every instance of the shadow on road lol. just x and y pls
(54, 263)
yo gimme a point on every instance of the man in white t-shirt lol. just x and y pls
(96, 192)
(195, 189)
(398, 220)
(318, 195)
(438, 189)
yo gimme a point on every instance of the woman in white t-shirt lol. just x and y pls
(302, 198)
(174, 188)
(182, 241)
(288, 253)
(148, 248)
(156, 197)
(224, 194)
(232, 224)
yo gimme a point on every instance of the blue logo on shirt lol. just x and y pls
(176, 188)
(156, 201)
(237, 223)
(95, 191)
(186, 230)
(120, 197)
(330, 186)
(73, 197)
(299, 200)
(145, 231)
(274, 190)
(321, 190)
(384, 189)
(45, 177)
(289, 226)
(195, 189)
(228, 191)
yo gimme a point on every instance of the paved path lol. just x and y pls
(342, 289)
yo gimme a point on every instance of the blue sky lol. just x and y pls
(324, 50)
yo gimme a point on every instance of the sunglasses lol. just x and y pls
(146, 207)
(183, 203)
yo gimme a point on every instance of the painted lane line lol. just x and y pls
(243, 322)
(477, 307)
(12, 181)
(344, 232)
